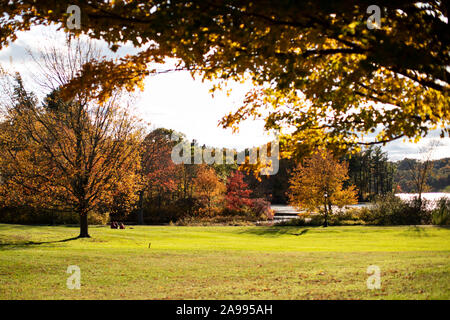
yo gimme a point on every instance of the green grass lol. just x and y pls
(225, 262)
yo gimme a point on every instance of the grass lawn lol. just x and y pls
(225, 262)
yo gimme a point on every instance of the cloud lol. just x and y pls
(398, 150)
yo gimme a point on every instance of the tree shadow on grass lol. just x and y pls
(276, 231)
(25, 244)
(415, 231)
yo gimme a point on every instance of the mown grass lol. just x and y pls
(167, 262)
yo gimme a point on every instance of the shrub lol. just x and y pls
(346, 217)
(162, 215)
(258, 208)
(316, 220)
(166, 212)
(441, 214)
(391, 210)
(98, 218)
(217, 220)
(261, 208)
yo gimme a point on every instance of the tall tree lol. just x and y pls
(71, 155)
(371, 172)
(160, 173)
(317, 184)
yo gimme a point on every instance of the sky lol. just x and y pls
(177, 101)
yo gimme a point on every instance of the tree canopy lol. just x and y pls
(319, 183)
(75, 155)
(316, 66)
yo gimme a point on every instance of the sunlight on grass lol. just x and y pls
(224, 262)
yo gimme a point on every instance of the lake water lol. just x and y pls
(431, 196)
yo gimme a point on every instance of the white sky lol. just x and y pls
(176, 101)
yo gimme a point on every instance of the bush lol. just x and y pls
(441, 214)
(166, 212)
(316, 220)
(344, 218)
(98, 218)
(349, 216)
(261, 208)
(391, 210)
(238, 220)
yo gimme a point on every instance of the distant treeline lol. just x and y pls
(438, 180)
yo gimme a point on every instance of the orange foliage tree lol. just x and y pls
(208, 187)
(78, 155)
(317, 184)
(160, 174)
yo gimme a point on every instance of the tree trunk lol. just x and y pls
(325, 223)
(84, 226)
(419, 200)
(141, 208)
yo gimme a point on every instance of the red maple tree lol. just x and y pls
(238, 194)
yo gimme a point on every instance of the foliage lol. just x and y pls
(238, 194)
(391, 210)
(317, 184)
(346, 217)
(158, 169)
(273, 187)
(420, 170)
(43, 216)
(437, 180)
(79, 155)
(441, 214)
(217, 220)
(371, 172)
(325, 73)
(261, 209)
(209, 189)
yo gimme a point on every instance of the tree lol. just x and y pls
(420, 170)
(238, 194)
(438, 178)
(317, 184)
(70, 155)
(317, 66)
(159, 172)
(371, 172)
(208, 186)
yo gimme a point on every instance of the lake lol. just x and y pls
(431, 196)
